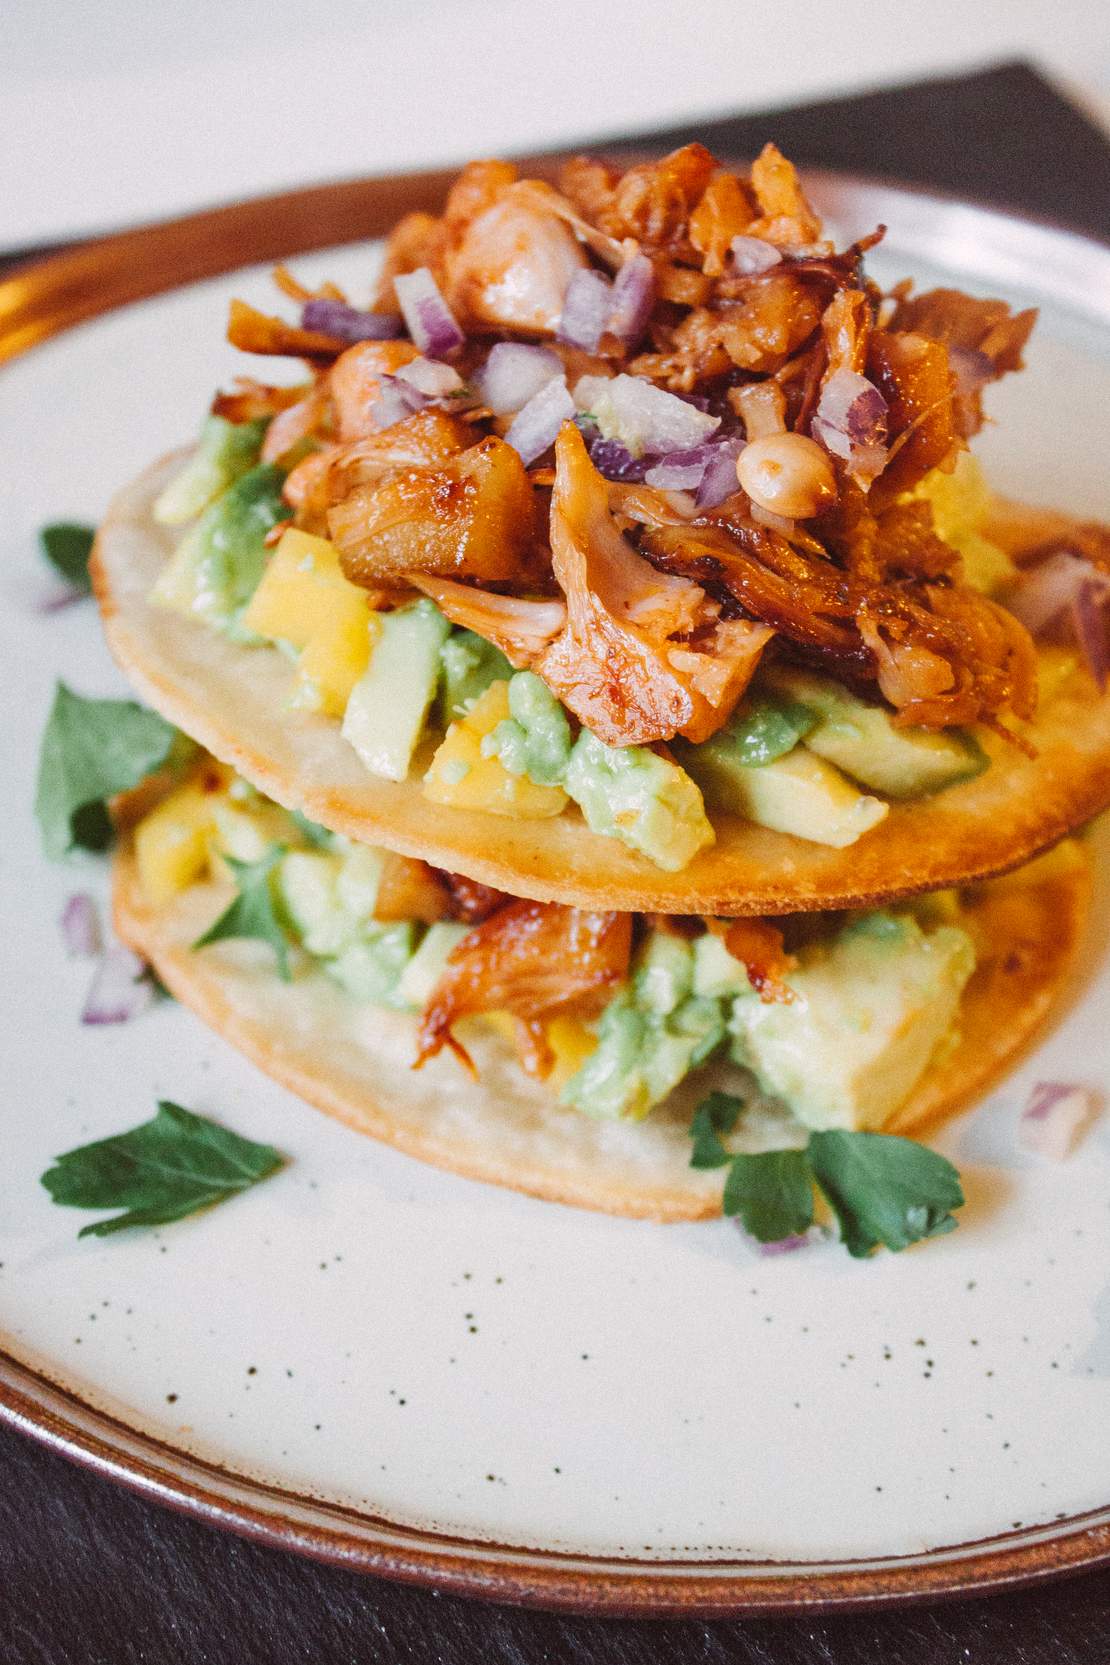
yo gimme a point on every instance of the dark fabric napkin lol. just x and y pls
(90, 1575)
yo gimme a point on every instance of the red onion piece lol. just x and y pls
(533, 430)
(633, 298)
(396, 400)
(851, 421)
(81, 927)
(347, 323)
(431, 323)
(120, 990)
(514, 373)
(1053, 1118)
(1088, 611)
(1045, 591)
(783, 1245)
(429, 377)
(752, 255)
(587, 306)
(644, 417)
(684, 470)
(616, 462)
(971, 369)
(719, 480)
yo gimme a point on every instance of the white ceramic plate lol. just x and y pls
(375, 1361)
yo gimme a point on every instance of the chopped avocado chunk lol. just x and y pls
(639, 1059)
(307, 885)
(646, 801)
(218, 563)
(763, 727)
(665, 974)
(224, 451)
(371, 968)
(862, 740)
(872, 1005)
(356, 884)
(798, 793)
(386, 711)
(465, 775)
(961, 503)
(534, 740)
(717, 973)
(469, 664)
(429, 962)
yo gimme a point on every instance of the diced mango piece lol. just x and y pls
(301, 590)
(336, 657)
(459, 775)
(172, 843)
(572, 1043)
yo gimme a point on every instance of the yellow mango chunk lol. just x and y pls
(459, 775)
(572, 1043)
(172, 843)
(301, 590)
(335, 657)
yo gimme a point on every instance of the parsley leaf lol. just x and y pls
(884, 1189)
(92, 749)
(67, 546)
(160, 1171)
(772, 1192)
(254, 912)
(715, 1115)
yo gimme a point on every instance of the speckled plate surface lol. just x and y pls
(372, 1361)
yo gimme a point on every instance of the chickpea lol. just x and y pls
(788, 475)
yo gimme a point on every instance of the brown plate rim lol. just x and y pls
(42, 299)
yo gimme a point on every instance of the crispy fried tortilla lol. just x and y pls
(353, 1061)
(233, 700)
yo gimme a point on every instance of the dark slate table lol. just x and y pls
(90, 1575)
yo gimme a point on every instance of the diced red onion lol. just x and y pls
(683, 470)
(431, 323)
(633, 298)
(587, 305)
(347, 323)
(850, 421)
(396, 400)
(616, 461)
(1043, 592)
(971, 369)
(120, 990)
(533, 430)
(645, 418)
(81, 927)
(752, 255)
(783, 1245)
(514, 373)
(49, 598)
(1088, 611)
(1053, 1118)
(428, 376)
(719, 480)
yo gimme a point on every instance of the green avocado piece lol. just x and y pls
(862, 740)
(535, 739)
(762, 728)
(224, 451)
(872, 1006)
(469, 664)
(645, 800)
(796, 793)
(218, 563)
(388, 705)
(429, 962)
(371, 968)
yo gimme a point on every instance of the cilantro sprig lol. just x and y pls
(67, 546)
(92, 749)
(882, 1188)
(254, 912)
(160, 1171)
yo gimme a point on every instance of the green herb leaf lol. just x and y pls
(772, 1192)
(160, 1171)
(254, 912)
(311, 831)
(884, 1189)
(715, 1115)
(67, 546)
(92, 749)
